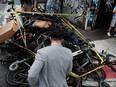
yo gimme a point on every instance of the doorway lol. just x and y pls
(105, 14)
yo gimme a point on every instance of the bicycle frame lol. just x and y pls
(68, 24)
(95, 69)
(85, 74)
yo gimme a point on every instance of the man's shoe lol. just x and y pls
(108, 33)
(114, 34)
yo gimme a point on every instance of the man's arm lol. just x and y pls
(70, 63)
(69, 68)
(33, 73)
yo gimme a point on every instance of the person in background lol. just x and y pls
(113, 22)
(29, 5)
(52, 64)
(35, 5)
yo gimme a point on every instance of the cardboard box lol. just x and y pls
(26, 7)
(8, 30)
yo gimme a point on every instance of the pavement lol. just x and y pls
(97, 36)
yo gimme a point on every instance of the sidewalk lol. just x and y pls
(109, 44)
(106, 44)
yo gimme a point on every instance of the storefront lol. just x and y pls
(86, 14)
(93, 13)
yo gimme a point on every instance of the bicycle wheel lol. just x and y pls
(74, 82)
(77, 82)
(105, 84)
(10, 78)
(17, 77)
(98, 75)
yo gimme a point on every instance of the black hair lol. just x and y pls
(57, 33)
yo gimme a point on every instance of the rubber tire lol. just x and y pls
(105, 84)
(9, 78)
(14, 74)
(97, 77)
(74, 82)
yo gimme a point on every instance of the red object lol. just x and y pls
(109, 72)
(30, 35)
(20, 37)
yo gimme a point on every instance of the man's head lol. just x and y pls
(56, 35)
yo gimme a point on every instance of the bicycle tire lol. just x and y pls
(9, 78)
(78, 82)
(14, 78)
(98, 75)
(105, 84)
(74, 82)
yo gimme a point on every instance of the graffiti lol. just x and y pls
(91, 14)
(3, 1)
(76, 6)
(84, 9)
